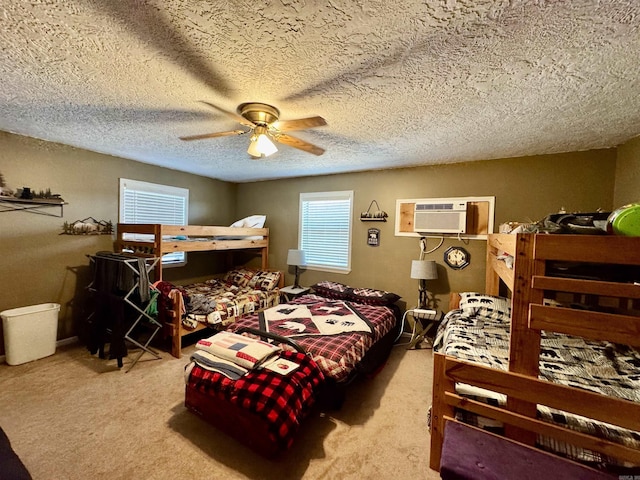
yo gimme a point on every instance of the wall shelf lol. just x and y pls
(8, 204)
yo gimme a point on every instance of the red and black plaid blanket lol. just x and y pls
(283, 401)
(337, 355)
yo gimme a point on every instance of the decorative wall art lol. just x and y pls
(374, 216)
(88, 226)
(373, 237)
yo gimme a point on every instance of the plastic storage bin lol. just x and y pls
(30, 332)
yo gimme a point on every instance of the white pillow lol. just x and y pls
(253, 221)
(473, 300)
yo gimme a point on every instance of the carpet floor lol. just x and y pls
(75, 416)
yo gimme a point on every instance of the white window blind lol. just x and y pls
(143, 202)
(325, 230)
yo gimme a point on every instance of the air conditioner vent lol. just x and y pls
(432, 217)
(435, 206)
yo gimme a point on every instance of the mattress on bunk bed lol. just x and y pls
(339, 355)
(481, 335)
(218, 301)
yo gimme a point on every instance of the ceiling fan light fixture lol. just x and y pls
(260, 144)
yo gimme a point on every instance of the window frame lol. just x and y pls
(176, 259)
(326, 196)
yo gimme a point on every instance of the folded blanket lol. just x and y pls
(243, 351)
(214, 363)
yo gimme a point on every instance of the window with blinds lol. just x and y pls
(325, 230)
(143, 202)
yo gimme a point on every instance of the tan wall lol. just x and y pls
(525, 189)
(627, 187)
(39, 265)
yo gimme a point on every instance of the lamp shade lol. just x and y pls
(260, 144)
(424, 269)
(296, 257)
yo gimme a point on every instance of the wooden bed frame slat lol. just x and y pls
(589, 287)
(592, 405)
(623, 329)
(206, 245)
(610, 249)
(502, 242)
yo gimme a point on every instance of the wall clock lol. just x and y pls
(457, 257)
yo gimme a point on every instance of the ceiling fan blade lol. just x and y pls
(300, 124)
(153, 27)
(213, 135)
(299, 144)
(238, 118)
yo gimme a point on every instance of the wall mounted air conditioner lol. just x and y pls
(440, 217)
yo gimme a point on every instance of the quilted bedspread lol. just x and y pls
(482, 336)
(282, 401)
(339, 354)
(215, 301)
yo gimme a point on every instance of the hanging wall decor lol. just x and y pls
(374, 216)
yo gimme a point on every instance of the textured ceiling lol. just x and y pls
(400, 83)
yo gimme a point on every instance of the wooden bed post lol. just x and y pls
(524, 348)
(439, 408)
(492, 279)
(157, 249)
(265, 255)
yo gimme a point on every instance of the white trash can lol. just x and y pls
(30, 332)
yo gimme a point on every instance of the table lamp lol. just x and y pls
(423, 270)
(296, 258)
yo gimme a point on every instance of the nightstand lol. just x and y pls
(289, 293)
(421, 322)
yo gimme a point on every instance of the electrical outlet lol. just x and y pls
(422, 311)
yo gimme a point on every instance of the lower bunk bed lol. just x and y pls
(561, 376)
(330, 362)
(480, 335)
(216, 302)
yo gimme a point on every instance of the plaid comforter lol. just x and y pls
(282, 401)
(482, 336)
(336, 355)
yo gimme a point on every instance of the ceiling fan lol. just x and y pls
(263, 123)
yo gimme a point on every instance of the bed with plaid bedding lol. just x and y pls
(337, 355)
(280, 401)
(481, 336)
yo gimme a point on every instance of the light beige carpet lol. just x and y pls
(75, 416)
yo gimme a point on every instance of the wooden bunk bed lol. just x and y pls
(531, 283)
(155, 240)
